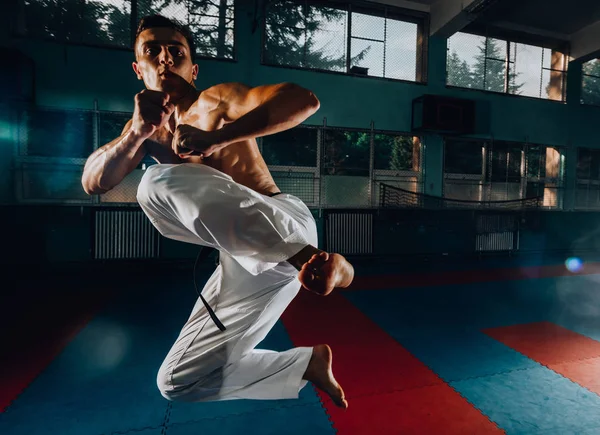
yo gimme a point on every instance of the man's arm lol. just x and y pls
(262, 110)
(110, 164)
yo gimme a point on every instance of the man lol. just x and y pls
(211, 187)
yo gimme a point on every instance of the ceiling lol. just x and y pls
(574, 21)
(563, 18)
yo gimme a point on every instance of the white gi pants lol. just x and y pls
(248, 291)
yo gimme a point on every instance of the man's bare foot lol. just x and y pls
(319, 373)
(324, 272)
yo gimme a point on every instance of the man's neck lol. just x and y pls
(183, 103)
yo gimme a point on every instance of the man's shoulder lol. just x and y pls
(224, 92)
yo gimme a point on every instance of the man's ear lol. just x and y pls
(136, 68)
(195, 71)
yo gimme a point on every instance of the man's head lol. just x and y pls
(164, 49)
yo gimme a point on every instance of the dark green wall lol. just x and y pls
(74, 76)
(71, 76)
(63, 234)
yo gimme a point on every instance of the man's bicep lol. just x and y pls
(239, 99)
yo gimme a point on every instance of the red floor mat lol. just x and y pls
(382, 381)
(546, 342)
(584, 373)
(572, 355)
(429, 410)
(466, 276)
(40, 335)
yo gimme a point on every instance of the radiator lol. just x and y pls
(497, 233)
(124, 234)
(349, 233)
(496, 242)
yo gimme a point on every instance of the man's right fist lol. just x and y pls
(152, 111)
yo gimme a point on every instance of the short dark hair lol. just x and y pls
(152, 21)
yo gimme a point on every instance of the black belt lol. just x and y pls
(203, 255)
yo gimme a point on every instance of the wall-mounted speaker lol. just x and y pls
(445, 115)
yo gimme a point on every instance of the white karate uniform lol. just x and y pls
(248, 291)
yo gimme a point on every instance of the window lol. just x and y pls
(343, 39)
(346, 152)
(108, 22)
(588, 165)
(464, 170)
(397, 152)
(587, 195)
(590, 87)
(499, 171)
(211, 23)
(66, 134)
(463, 157)
(105, 22)
(489, 64)
(294, 147)
(545, 174)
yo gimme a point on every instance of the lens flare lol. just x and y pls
(574, 264)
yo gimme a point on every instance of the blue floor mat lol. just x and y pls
(104, 381)
(533, 400)
(307, 419)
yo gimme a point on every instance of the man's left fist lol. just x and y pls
(191, 141)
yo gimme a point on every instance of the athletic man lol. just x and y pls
(211, 187)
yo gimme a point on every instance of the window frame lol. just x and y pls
(511, 38)
(583, 75)
(20, 33)
(421, 19)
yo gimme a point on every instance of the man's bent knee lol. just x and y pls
(202, 386)
(151, 185)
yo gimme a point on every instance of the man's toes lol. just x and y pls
(306, 276)
(318, 260)
(313, 259)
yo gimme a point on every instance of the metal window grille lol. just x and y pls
(503, 171)
(375, 42)
(587, 190)
(113, 22)
(590, 86)
(496, 65)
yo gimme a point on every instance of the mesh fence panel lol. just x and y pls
(101, 22)
(110, 126)
(345, 191)
(125, 192)
(303, 185)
